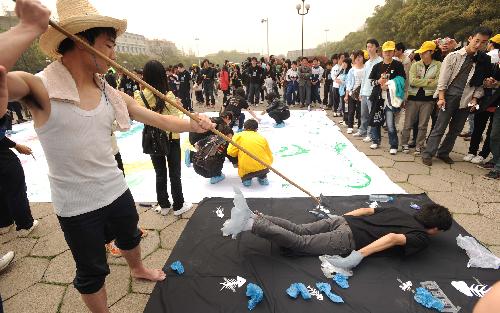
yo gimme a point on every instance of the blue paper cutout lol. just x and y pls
(298, 288)
(177, 267)
(327, 290)
(425, 298)
(256, 295)
(341, 281)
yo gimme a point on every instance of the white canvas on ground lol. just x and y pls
(310, 150)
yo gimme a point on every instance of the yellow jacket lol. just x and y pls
(168, 110)
(254, 143)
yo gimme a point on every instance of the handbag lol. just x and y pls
(154, 140)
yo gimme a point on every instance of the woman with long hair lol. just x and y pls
(154, 74)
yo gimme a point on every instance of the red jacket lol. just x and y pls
(224, 80)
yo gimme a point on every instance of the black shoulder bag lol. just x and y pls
(154, 140)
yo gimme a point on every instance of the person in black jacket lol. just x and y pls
(211, 153)
(184, 87)
(277, 109)
(208, 75)
(255, 78)
(236, 104)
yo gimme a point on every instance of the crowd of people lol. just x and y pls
(441, 81)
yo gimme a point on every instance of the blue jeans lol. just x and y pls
(366, 106)
(391, 129)
(291, 92)
(315, 97)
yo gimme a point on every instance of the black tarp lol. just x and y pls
(208, 258)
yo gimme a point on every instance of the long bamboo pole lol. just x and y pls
(175, 104)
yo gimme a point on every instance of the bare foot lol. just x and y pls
(149, 274)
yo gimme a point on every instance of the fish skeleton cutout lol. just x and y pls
(477, 290)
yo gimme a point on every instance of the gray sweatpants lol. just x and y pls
(452, 118)
(327, 236)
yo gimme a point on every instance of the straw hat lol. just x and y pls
(76, 16)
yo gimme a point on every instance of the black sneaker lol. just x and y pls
(446, 159)
(492, 175)
(427, 161)
(487, 166)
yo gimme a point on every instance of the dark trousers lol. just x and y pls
(208, 90)
(495, 140)
(173, 161)
(335, 99)
(454, 118)
(480, 121)
(118, 158)
(291, 92)
(186, 100)
(199, 95)
(305, 94)
(16, 107)
(315, 97)
(241, 121)
(14, 204)
(86, 235)
(253, 93)
(226, 93)
(327, 236)
(353, 108)
(326, 93)
(279, 116)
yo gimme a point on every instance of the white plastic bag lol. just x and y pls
(478, 254)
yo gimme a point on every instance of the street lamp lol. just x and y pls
(326, 39)
(266, 20)
(302, 9)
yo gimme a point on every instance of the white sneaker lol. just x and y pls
(185, 207)
(477, 160)
(358, 134)
(374, 146)
(6, 259)
(165, 211)
(26, 232)
(469, 157)
(349, 130)
(393, 151)
(367, 139)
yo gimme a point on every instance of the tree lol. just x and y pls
(415, 21)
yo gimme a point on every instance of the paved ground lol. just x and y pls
(40, 278)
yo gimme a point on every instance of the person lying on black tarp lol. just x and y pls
(361, 232)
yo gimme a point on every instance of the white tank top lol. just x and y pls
(83, 172)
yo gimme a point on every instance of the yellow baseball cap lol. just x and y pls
(366, 55)
(496, 39)
(426, 46)
(389, 46)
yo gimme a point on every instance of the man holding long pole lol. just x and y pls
(73, 112)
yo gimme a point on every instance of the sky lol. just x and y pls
(236, 24)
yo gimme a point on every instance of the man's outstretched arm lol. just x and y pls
(383, 243)
(356, 256)
(33, 21)
(361, 212)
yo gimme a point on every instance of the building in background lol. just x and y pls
(131, 43)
